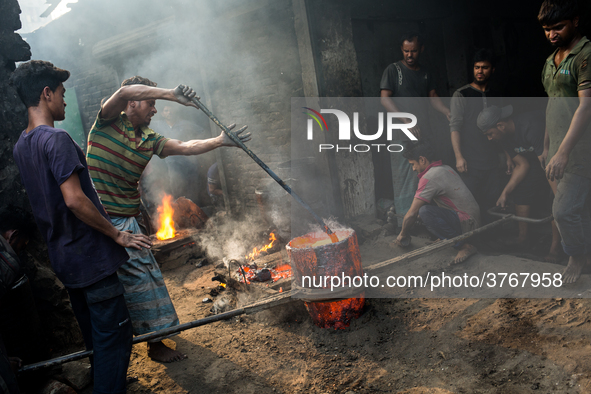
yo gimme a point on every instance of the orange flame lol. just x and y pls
(256, 251)
(165, 212)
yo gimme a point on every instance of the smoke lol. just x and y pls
(332, 224)
(240, 57)
(224, 236)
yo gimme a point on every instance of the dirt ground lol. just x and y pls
(414, 346)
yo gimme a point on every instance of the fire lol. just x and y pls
(256, 251)
(165, 211)
(251, 273)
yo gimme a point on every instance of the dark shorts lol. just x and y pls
(484, 185)
(534, 188)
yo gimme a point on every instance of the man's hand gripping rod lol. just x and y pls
(237, 141)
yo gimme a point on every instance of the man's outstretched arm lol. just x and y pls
(182, 94)
(196, 147)
(85, 210)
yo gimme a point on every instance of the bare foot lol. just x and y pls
(573, 270)
(158, 351)
(466, 251)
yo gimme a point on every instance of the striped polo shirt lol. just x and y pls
(117, 156)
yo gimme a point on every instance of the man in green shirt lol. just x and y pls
(120, 145)
(567, 80)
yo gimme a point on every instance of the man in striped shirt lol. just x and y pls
(120, 145)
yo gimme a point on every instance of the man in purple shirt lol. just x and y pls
(85, 249)
(455, 211)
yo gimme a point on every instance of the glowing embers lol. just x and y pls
(166, 228)
(253, 274)
(314, 255)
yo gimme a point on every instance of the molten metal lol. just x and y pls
(165, 212)
(314, 254)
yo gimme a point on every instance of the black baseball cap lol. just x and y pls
(489, 117)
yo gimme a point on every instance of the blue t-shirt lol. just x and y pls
(79, 254)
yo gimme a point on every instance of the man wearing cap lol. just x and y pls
(567, 80)
(522, 138)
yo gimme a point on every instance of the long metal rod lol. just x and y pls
(494, 211)
(426, 250)
(252, 308)
(237, 141)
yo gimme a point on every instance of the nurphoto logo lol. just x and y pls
(393, 121)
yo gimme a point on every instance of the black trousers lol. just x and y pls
(106, 327)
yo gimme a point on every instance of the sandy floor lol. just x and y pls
(437, 345)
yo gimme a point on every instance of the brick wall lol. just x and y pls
(256, 89)
(92, 84)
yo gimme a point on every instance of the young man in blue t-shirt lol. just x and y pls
(85, 249)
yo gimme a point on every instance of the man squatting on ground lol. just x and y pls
(120, 145)
(456, 211)
(476, 157)
(85, 249)
(401, 80)
(522, 138)
(566, 76)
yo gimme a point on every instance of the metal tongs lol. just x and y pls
(237, 141)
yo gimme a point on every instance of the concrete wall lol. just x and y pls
(92, 84)
(338, 76)
(260, 76)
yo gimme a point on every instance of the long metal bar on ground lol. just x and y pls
(426, 250)
(261, 305)
(237, 141)
(493, 211)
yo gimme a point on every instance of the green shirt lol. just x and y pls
(117, 156)
(562, 84)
